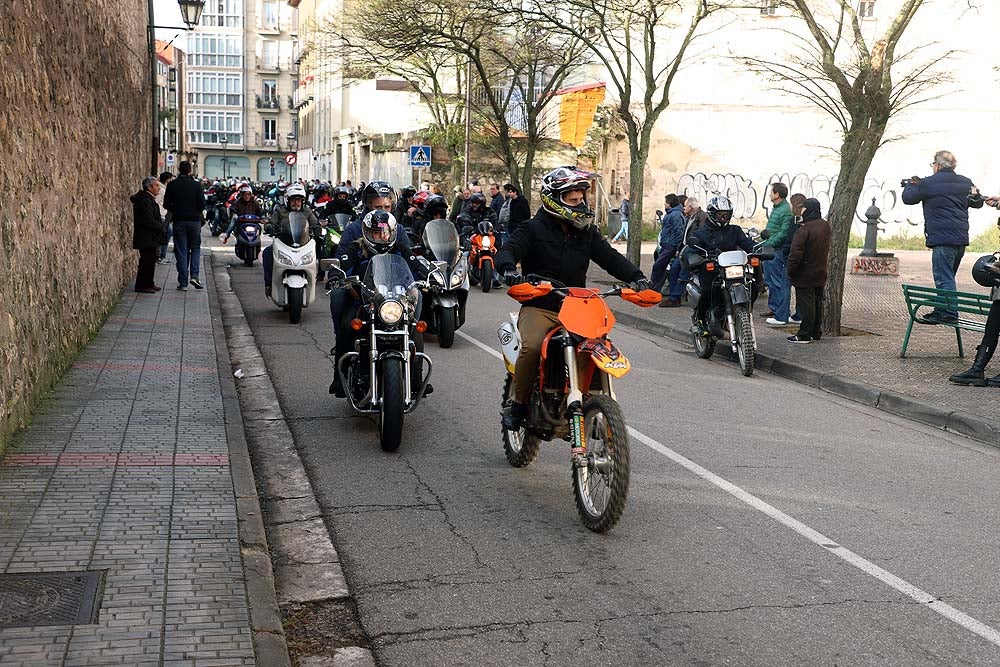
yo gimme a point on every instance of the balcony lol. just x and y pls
(268, 103)
(273, 64)
(266, 143)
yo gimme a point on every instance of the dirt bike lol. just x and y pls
(573, 398)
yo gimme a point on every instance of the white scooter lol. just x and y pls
(293, 275)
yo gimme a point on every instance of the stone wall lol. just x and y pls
(73, 145)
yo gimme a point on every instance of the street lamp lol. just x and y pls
(223, 141)
(191, 13)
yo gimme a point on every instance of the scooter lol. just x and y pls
(293, 275)
(448, 289)
(248, 236)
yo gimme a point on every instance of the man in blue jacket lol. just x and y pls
(946, 198)
(670, 242)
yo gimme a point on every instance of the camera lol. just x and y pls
(909, 181)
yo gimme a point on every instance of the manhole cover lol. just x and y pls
(50, 598)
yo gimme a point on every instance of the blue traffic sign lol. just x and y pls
(420, 156)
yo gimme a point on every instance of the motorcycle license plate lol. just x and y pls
(734, 271)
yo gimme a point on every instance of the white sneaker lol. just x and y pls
(795, 320)
(775, 323)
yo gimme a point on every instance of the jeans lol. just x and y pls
(945, 260)
(678, 279)
(163, 248)
(779, 289)
(623, 232)
(658, 275)
(187, 250)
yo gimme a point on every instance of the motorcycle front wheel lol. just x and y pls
(446, 327)
(520, 447)
(744, 340)
(487, 276)
(294, 304)
(600, 487)
(704, 346)
(390, 414)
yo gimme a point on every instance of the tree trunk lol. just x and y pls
(529, 167)
(856, 155)
(639, 151)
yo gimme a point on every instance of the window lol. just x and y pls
(268, 55)
(223, 13)
(208, 50)
(866, 9)
(207, 127)
(769, 8)
(215, 88)
(270, 132)
(269, 91)
(269, 15)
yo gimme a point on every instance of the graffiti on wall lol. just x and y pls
(738, 189)
(887, 196)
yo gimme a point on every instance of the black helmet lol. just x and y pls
(719, 210)
(986, 270)
(341, 190)
(407, 192)
(477, 198)
(378, 231)
(556, 184)
(376, 190)
(435, 205)
(485, 228)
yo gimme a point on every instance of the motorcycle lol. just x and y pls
(248, 236)
(482, 256)
(340, 221)
(384, 374)
(218, 218)
(733, 290)
(573, 397)
(293, 274)
(448, 289)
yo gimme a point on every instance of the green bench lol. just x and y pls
(966, 303)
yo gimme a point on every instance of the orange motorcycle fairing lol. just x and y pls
(526, 291)
(643, 299)
(606, 356)
(585, 314)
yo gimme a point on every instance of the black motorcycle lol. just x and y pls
(733, 290)
(447, 291)
(384, 375)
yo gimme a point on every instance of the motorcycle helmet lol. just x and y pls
(986, 270)
(295, 192)
(376, 190)
(246, 189)
(485, 228)
(556, 184)
(407, 192)
(341, 193)
(477, 201)
(378, 231)
(719, 210)
(420, 199)
(435, 207)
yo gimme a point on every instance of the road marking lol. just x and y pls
(987, 632)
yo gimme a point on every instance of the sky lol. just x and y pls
(166, 12)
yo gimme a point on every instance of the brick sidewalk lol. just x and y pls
(874, 306)
(125, 469)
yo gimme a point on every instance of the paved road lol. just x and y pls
(457, 559)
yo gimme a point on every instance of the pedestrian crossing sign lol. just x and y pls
(420, 156)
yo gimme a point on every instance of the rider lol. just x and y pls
(245, 205)
(714, 236)
(432, 207)
(558, 243)
(341, 202)
(379, 235)
(295, 201)
(403, 213)
(475, 211)
(377, 195)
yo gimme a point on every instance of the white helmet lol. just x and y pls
(295, 191)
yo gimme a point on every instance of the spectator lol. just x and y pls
(678, 277)
(986, 272)
(946, 199)
(458, 203)
(185, 200)
(779, 290)
(520, 209)
(147, 234)
(625, 210)
(165, 178)
(807, 270)
(670, 242)
(496, 199)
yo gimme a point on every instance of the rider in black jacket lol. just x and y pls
(713, 237)
(558, 243)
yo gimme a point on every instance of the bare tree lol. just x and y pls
(861, 83)
(641, 45)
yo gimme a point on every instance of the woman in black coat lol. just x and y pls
(147, 234)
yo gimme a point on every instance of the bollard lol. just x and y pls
(871, 233)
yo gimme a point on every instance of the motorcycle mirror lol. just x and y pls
(754, 232)
(329, 264)
(766, 234)
(659, 213)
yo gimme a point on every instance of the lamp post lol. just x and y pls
(290, 137)
(224, 141)
(191, 14)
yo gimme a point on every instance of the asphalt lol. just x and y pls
(455, 558)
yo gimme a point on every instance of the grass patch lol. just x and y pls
(987, 241)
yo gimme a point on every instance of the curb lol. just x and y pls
(269, 644)
(958, 422)
(307, 567)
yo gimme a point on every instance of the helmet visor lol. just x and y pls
(722, 217)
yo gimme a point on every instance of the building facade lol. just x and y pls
(170, 98)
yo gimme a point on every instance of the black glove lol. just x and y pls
(641, 285)
(512, 277)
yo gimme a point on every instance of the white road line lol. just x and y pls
(987, 632)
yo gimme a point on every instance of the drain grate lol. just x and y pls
(50, 598)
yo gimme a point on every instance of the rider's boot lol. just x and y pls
(336, 387)
(975, 376)
(514, 418)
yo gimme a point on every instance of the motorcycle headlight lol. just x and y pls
(391, 311)
(734, 271)
(456, 279)
(284, 258)
(486, 242)
(308, 258)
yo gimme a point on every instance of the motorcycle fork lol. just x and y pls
(574, 404)
(730, 322)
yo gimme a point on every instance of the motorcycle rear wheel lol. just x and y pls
(601, 486)
(520, 447)
(744, 340)
(390, 415)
